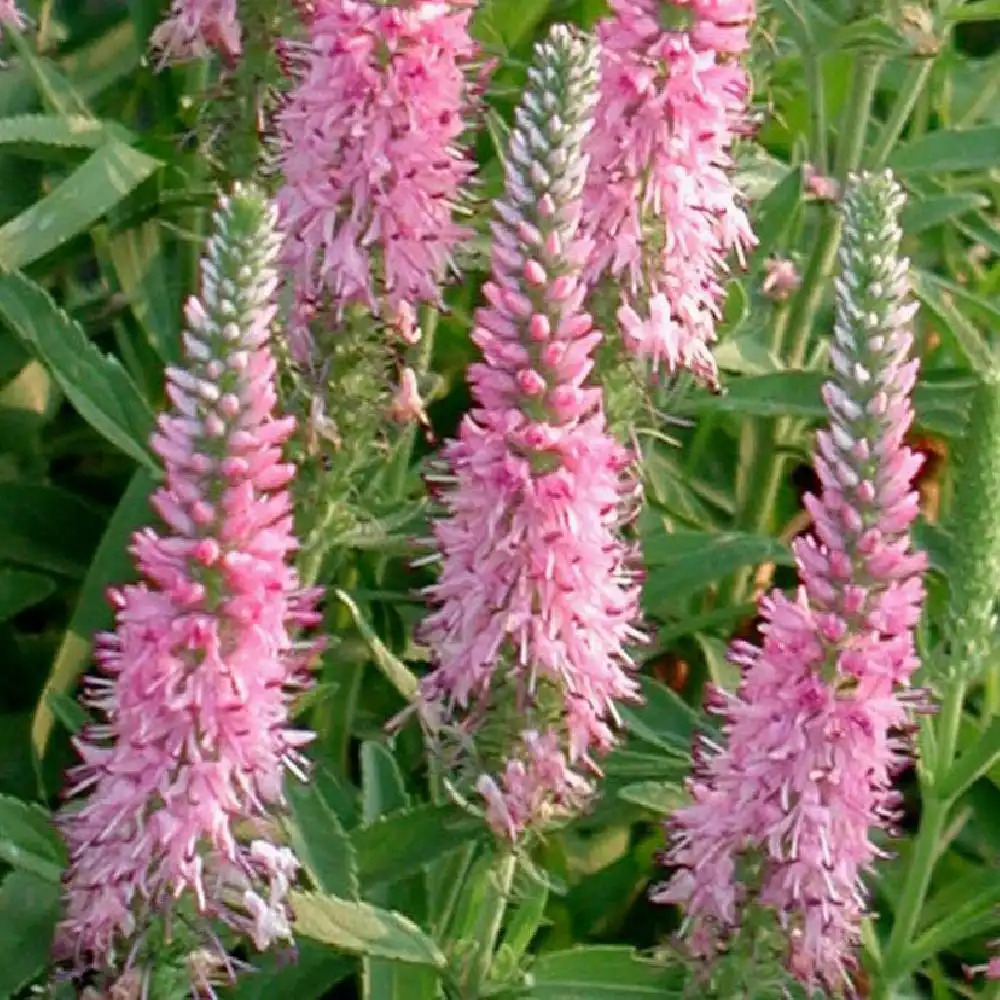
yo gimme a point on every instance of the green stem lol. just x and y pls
(918, 879)
(920, 868)
(906, 100)
(818, 151)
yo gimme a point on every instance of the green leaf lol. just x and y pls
(110, 564)
(109, 175)
(31, 908)
(310, 975)
(382, 788)
(362, 929)
(925, 213)
(402, 843)
(660, 797)
(28, 840)
(980, 10)
(20, 589)
(663, 719)
(392, 667)
(936, 298)
(321, 842)
(96, 384)
(941, 398)
(947, 150)
(137, 256)
(38, 134)
(52, 86)
(630, 766)
(383, 791)
(47, 528)
(527, 918)
(601, 973)
(682, 563)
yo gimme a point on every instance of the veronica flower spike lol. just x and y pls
(371, 155)
(180, 777)
(660, 205)
(535, 603)
(784, 813)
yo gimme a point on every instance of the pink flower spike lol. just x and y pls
(660, 207)
(184, 773)
(535, 603)
(371, 157)
(817, 729)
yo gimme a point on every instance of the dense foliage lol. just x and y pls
(499, 499)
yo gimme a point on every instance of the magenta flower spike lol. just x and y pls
(535, 602)
(784, 813)
(370, 154)
(660, 206)
(193, 29)
(180, 778)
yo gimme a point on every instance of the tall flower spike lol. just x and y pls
(534, 603)
(186, 766)
(783, 814)
(370, 157)
(193, 29)
(659, 205)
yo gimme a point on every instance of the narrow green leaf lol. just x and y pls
(401, 844)
(921, 214)
(96, 384)
(137, 256)
(28, 840)
(47, 528)
(53, 87)
(660, 797)
(941, 399)
(110, 564)
(663, 719)
(527, 918)
(105, 178)
(382, 788)
(946, 150)
(937, 299)
(601, 973)
(361, 929)
(31, 907)
(20, 589)
(321, 842)
(37, 135)
(980, 10)
(394, 669)
(683, 563)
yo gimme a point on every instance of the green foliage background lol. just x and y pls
(107, 171)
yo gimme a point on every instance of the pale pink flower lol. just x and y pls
(186, 764)
(10, 15)
(821, 187)
(660, 206)
(370, 153)
(193, 29)
(407, 403)
(817, 728)
(781, 278)
(535, 591)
